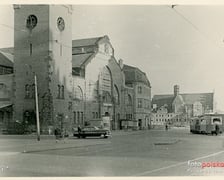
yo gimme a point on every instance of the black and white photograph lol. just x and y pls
(117, 89)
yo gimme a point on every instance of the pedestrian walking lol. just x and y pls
(79, 129)
(216, 129)
(58, 134)
(166, 127)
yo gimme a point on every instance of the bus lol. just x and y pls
(207, 124)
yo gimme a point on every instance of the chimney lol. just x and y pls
(16, 6)
(176, 90)
(120, 62)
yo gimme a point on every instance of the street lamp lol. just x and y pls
(36, 103)
(37, 108)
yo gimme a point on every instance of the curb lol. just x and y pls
(167, 143)
(60, 148)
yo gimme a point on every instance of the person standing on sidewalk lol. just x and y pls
(58, 134)
(216, 129)
(166, 127)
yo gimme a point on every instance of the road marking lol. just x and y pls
(3, 153)
(62, 147)
(178, 164)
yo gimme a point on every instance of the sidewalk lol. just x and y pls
(46, 144)
(33, 136)
(126, 132)
(29, 143)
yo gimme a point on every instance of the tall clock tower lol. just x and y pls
(43, 48)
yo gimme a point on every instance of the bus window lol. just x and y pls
(197, 121)
(203, 121)
(216, 121)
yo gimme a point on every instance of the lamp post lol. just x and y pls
(36, 103)
(37, 108)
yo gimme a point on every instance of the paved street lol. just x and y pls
(132, 153)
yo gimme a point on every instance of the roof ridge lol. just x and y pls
(181, 94)
(88, 38)
(134, 67)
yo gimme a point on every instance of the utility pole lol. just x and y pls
(36, 102)
(85, 104)
(37, 108)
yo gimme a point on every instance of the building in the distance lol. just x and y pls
(6, 86)
(79, 82)
(178, 108)
(138, 80)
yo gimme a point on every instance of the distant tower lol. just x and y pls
(176, 90)
(43, 46)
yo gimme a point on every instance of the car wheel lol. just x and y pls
(105, 136)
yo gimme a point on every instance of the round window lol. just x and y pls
(61, 24)
(31, 21)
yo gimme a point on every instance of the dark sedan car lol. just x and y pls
(91, 132)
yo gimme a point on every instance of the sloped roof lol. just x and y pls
(134, 74)
(85, 42)
(6, 59)
(162, 96)
(161, 100)
(206, 99)
(9, 50)
(79, 59)
(178, 99)
(4, 104)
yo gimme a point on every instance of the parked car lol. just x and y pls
(91, 131)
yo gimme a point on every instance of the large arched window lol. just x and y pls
(27, 91)
(106, 79)
(105, 82)
(129, 100)
(106, 97)
(78, 94)
(62, 92)
(116, 95)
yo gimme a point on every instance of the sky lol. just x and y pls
(182, 45)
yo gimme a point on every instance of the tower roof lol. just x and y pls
(85, 42)
(134, 74)
(6, 59)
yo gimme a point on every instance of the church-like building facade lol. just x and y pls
(178, 108)
(79, 82)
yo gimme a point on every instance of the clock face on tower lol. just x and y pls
(61, 24)
(31, 21)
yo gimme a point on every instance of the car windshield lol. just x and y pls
(75, 128)
(90, 128)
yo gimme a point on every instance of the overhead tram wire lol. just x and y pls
(20, 30)
(195, 27)
(24, 30)
(10, 27)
